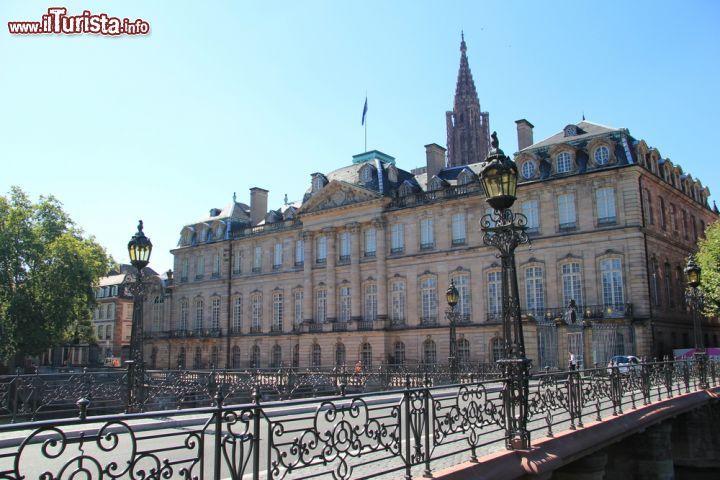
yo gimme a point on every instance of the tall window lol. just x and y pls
(276, 356)
(200, 266)
(256, 311)
(370, 302)
(497, 349)
(531, 211)
(236, 358)
(458, 229)
(215, 313)
(426, 233)
(399, 353)
(345, 246)
(216, 263)
(663, 225)
(605, 199)
(237, 314)
(278, 257)
(277, 311)
(685, 223)
(299, 252)
(429, 352)
(647, 207)
(296, 356)
(184, 314)
(612, 282)
(563, 162)
(316, 358)
(463, 351)
(366, 354)
(320, 305)
(566, 209)
(197, 360)
(494, 290)
(185, 269)
(214, 357)
(397, 238)
(339, 355)
(370, 242)
(534, 291)
(257, 259)
(668, 285)
(237, 262)
(464, 306)
(321, 254)
(345, 304)
(428, 300)
(655, 283)
(298, 306)
(397, 302)
(199, 306)
(571, 283)
(255, 356)
(181, 358)
(673, 218)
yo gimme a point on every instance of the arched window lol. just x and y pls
(366, 173)
(462, 283)
(277, 325)
(366, 354)
(494, 292)
(316, 358)
(345, 304)
(184, 314)
(237, 314)
(276, 360)
(612, 285)
(571, 283)
(197, 360)
(215, 314)
(528, 169)
(397, 302)
(256, 306)
(535, 291)
(497, 349)
(463, 351)
(255, 356)
(339, 355)
(236, 358)
(399, 353)
(370, 312)
(428, 300)
(429, 353)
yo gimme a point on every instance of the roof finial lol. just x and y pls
(583, 116)
(286, 201)
(715, 209)
(463, 47)
(140, 226)
(234, 197)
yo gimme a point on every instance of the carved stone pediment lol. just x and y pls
(337, 194)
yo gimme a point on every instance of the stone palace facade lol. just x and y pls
(358, 269)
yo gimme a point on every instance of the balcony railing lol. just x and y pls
(364, 325)
(276, 329)
(397, 323)
(315, 327)
(255, 328)
(585, 312)
(429, 322)
(340, 327)
(235, 330)
(196, 332)
(436, 195)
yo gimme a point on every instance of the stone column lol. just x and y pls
(329, 233)
(591, 467)
(379, 224)
(307, 277)
(355, 284)
(653, 452)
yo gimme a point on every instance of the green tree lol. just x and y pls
(47, 271)
(708, 258)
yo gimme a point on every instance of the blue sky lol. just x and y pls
(227, 95)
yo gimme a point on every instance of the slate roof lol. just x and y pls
(111, 280)
(586, 130)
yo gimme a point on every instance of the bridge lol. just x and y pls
(642, 423)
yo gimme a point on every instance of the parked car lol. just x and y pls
(625, 363)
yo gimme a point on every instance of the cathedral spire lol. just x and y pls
(468, 128)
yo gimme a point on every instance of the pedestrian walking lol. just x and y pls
(573, 362)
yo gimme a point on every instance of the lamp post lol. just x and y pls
(506, 230)
(139, 249)
(695, 300)
(452, 296)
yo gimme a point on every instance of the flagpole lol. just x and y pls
(366, 134)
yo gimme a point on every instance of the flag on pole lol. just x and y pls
(364, 112)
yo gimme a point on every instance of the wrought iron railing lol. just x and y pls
(406, 432)
(365, 325)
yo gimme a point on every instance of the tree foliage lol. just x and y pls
(708, 258)
(47, 271)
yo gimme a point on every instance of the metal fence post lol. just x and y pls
(426, 422)
(256, 433)
(406, 401)
(615, 390)
(218, 434)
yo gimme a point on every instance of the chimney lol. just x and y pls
(258, 205)
(525, 133)
(435, 155)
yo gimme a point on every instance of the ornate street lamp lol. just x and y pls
(506, 230)
(695, 300)
(453, 297)
(139, 249)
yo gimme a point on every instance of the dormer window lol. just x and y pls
(602, 155)
(366, 173)
(465, 177)
(570, 131)
(392, 174)
(563, 162)
(405, 189)
(528, 169)
(436, 183)
(317, 183)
